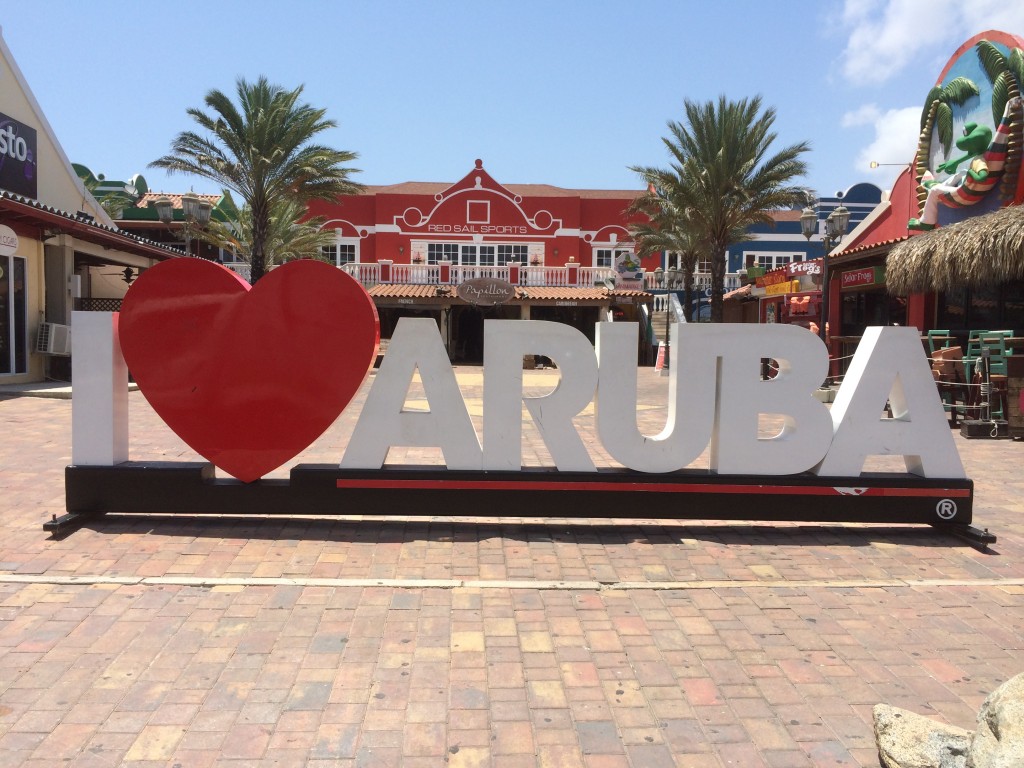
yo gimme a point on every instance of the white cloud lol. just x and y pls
(895, 141)
(864, 115)
(885, 36)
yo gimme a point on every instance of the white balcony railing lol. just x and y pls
(701, 280)
(430, 274)
(369, 274)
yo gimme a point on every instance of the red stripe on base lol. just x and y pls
(555, 485)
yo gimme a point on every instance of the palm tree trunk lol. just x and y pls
(688, 293)
(257, 255)
(717, 284)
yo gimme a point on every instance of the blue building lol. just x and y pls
(774, 247)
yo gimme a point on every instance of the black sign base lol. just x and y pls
(180, 488)
(993, 430)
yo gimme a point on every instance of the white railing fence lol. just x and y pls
(370, 274)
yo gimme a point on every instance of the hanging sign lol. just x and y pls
(774, 277)
(8, 241)
(798, 268)
(486, 291)
(782, 288)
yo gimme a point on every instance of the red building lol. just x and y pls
(567, 254)
(887, 239)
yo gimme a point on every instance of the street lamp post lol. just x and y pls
(661, 280)
(195, 212)
(835, 227)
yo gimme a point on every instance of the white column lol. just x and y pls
(99, 404)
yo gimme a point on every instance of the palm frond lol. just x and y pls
(1016, 66)
(935, 94)
(1000, 95)
(959, 90)
(262, 146)
(991, 58)
(944, 125)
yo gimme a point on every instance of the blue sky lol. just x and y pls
(558, 92)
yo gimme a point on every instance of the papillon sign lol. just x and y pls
(250, 377)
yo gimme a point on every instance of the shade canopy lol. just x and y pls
(981, 251)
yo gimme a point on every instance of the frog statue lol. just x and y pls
(985, 157)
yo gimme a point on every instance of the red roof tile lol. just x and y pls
(523, 190)
(174, 197)
(402, 291)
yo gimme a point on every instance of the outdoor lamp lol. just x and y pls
(659, 277)
(195, 210)
(195, 213)
(808, 222)
(835, 227)
(164, 209)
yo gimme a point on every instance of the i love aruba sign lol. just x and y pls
(249, 377)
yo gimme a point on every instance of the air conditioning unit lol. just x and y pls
(53, 339)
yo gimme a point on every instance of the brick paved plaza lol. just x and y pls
(420, 642)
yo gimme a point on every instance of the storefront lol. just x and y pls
(13, 311)
(791, 294)
(478, 223)
(566, 255)
(936, 254)
(56, 241)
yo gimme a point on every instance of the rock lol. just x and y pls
(909, 740)
(999, 740)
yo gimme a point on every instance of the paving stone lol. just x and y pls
(366, 641)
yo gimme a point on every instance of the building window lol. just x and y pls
(771, 260)
(345, 251)
(509, 253)
(13, 316)
(473, 255)
(605, 257)
(438, 252)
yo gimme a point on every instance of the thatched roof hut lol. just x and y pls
(981, 251)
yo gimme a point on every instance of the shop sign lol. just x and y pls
(798, 268)
(8, 241)
(18, 169)
(477, 229)
(779, 289)
(774, 277)
(857, 278)
(486, 291)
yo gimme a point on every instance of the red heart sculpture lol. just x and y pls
(248, 377)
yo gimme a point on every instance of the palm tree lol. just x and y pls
(723, 178)
(262, 150)
(938, 107)
(289, 236)
(664, 230)
(1006, 73)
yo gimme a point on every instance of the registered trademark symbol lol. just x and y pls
(946, 509)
